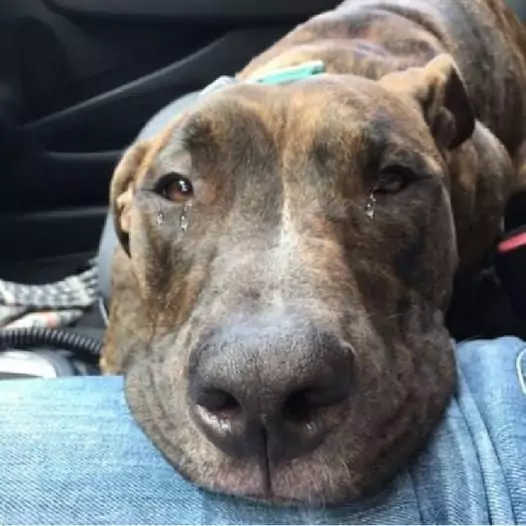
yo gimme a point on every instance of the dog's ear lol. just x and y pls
(122, 189)
(440, 91)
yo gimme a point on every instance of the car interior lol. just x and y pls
(80, 80)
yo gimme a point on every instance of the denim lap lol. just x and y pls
(70, 453)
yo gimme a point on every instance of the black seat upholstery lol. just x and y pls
(156, 124)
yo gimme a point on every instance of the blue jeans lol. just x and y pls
(70, 453)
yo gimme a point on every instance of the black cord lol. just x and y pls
(29, 337)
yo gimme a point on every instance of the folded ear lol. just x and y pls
(442, 95)
(122, 189)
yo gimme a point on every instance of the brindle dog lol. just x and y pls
(288, 251)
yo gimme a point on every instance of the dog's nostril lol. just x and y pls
(298, 406)
(304, 403)
(218, 401)
(301, 404)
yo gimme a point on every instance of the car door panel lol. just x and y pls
(79, 79)
(112, 118)
(215, 10)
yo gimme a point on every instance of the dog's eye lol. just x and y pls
(392, 180)
(175, 187)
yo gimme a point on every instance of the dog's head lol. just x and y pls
(292, 251)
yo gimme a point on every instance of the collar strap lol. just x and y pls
(276, 77)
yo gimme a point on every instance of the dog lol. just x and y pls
(287, 253)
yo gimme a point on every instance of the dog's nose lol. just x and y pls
(273, 391)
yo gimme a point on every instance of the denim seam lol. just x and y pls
(468, 427)
(474, 401)
(417, 500)
(520, 375)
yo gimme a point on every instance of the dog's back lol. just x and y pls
(373, 37)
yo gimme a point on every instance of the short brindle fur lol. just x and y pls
(281, 278)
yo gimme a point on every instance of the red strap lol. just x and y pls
(519, 240)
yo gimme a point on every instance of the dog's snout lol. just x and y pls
(269, 391)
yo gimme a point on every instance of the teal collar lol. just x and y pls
(276, 77)
(286, 75)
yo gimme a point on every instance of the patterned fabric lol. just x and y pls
(50, 305)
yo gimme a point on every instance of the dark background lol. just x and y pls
(78, 80)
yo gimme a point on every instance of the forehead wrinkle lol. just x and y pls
(334, 129)
(198, 130)
(339, 153)
(195, 132)
(316, 101)
(261, 105)
(221, 116)
(155, 146)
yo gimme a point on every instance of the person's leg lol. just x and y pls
(70, 453)
(474, 470)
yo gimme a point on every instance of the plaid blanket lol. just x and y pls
(51, 305)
